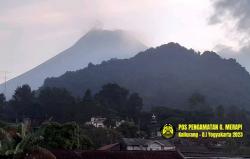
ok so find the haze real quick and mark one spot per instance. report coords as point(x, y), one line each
point(31, 32)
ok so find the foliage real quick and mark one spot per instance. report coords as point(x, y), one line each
point(166, 76)
point(22, 101)
point(134, 106)
point(9, 140)
point(56, 103)
point(128, 130)
point(66, 136)
point(2, 101)
point(101, 136)
point(113, 102)
point(118, 101)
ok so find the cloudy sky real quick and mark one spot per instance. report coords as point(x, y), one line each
point(32, 31)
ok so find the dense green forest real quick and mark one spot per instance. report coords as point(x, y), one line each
point(59, 118)
point(113, 102)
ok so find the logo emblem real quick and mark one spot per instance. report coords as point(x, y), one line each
point(168, 131)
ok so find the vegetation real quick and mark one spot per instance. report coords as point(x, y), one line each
point(111, 101)
point(166, 75)
point(55, 104)
point(52, 109)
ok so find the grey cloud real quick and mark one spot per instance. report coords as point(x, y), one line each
point(242, 56)
point(239, 10)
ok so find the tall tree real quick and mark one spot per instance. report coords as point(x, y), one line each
point(87, 107)
point(128, 129)
point(87, 96)
point(2, 101)
point(134, 106)
point(114, 97)
point(22, 101)
point(57, 103)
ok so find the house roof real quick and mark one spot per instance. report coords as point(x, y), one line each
point(134, 141)
point(161, 142)
point(144, 142)
point(108, 147)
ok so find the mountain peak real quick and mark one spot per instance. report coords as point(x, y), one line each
point(95, 46)
point(104, 36)
point(173, 45)
point(211, 54)
point(103, 32)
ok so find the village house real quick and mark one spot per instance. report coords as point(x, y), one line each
point(138, 144)
point(146, 144)
point(97, 122)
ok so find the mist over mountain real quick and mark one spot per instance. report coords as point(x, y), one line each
point(97, 45)
point(167, 76)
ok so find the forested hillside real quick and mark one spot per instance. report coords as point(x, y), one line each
point(167, 76)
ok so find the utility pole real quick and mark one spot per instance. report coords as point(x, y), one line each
point(5, 80)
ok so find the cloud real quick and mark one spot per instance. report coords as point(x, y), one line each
point(236, 10)
point(235, 16)
point(38, 30)
point(242, 56)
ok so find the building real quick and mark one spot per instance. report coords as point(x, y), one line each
point(154, 128)
point(97, 122)
point(110, 147)
point(136, 144)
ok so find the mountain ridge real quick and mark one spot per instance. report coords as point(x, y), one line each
point(166, 75)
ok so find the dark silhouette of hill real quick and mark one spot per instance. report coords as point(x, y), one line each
point(95, 46)
point(167, 76)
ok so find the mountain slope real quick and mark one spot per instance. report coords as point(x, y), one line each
point(167, 75)
point(95, 46)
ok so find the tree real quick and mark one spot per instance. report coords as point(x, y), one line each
point(9, 138)
point(57, 103)
point(113, 97)
point(2, 101)
point(87, 96)
point(88, 107)
point(23, 93)
point(101, 136)
point(57, 136)
point(66, 136)
point(53, 135)
point(128, 129)
point(134, 106)
point(22, 101)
